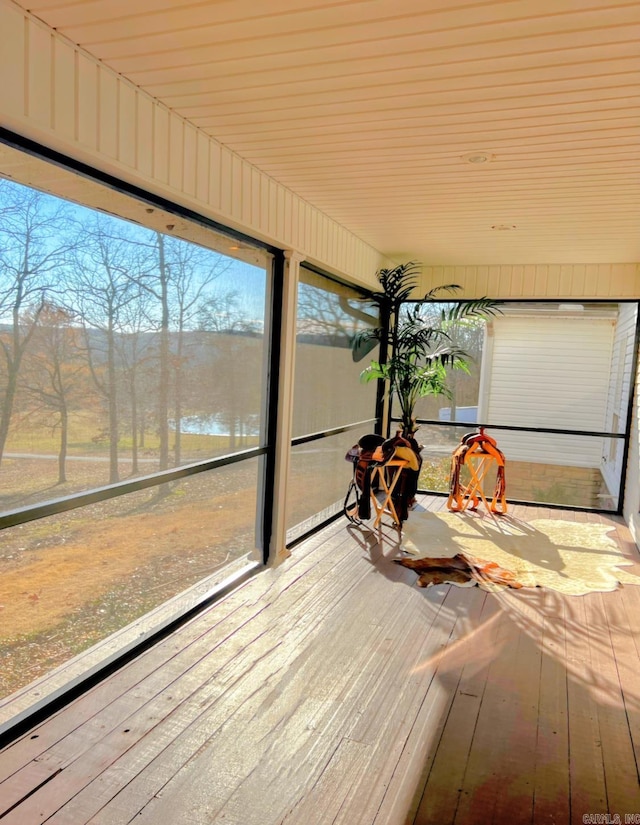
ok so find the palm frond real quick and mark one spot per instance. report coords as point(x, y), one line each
point(477, 308)
point(421, 336)
point(369, 334)
point(434, 294)
point(415, 333)
point(374, 371)
point(398, 283)
point(365, 341)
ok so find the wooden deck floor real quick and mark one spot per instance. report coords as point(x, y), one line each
point(333, 690)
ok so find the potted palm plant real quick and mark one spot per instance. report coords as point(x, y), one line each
point(416, 347)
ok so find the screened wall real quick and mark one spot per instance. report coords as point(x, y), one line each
point(552, 383)
point(133, 400)
point(332, 407)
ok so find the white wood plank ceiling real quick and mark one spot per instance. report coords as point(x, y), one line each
point(375, 111)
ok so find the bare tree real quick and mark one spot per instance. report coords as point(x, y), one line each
point(237, 362)
point(193, 271)
point(330, 317)
point(135, 353)
point(103, 287)
point(162, 294)
point(34, 250)
point(179, 283)
point(55, 374)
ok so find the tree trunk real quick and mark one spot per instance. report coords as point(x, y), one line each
point(114, 475)
point(134, 423)
point(64, 440)
point(7, 408)
point(13, 358)
point(178, 401)
point(163, 392)
point(143, 427)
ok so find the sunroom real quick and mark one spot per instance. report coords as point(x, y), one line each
point(194, 203)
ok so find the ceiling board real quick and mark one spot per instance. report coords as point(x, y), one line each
point(368, 110)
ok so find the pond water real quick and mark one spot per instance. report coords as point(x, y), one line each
point(216, 425)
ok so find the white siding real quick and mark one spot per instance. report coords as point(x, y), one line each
point(618, 394)
point(548, 372)
point(632, 481)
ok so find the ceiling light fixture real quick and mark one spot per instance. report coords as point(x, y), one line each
point(570, 307)
point(478, 158)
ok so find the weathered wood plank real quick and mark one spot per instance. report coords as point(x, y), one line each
point(627, 662)
point(24, 785)
point(406, 784)
point(427, 692)
point(306, 704)
point(620, 769)
point(249, 599)
point(518, 773)
point(473, 658)
point(586, 770)
point(499, 767)
point(233, 655)
point(210, 675)
point(551, 778)
point(415, 672)
point(333, 690)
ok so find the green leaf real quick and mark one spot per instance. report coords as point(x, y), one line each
point(422, 338)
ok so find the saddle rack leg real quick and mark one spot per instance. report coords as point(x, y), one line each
point(388, 476)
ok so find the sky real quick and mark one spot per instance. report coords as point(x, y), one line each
point(236, 276)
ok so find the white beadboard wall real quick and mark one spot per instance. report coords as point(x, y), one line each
point(618, 395)
point(564, 281)
point(64, 99)
point(632, 486)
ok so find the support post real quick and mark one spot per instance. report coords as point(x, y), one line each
point(278, 545)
